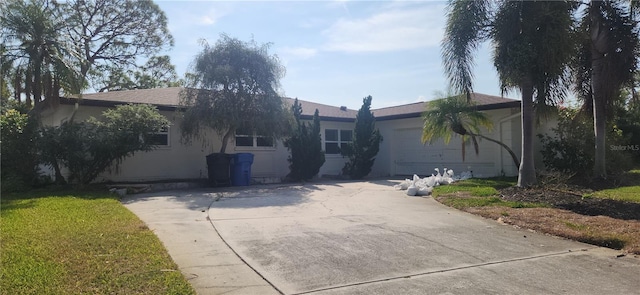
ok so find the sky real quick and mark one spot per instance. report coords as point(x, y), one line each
point(334, 52)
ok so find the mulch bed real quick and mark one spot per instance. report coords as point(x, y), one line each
point(603, 222)
point(572, 200)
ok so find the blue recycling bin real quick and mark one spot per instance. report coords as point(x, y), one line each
point(241, 169)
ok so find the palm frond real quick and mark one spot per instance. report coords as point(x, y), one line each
point(474, 140)
point(450, 116)
point(465, 30)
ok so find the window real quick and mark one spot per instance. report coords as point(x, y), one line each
point(160, 138)
point(245, 138)
point(335, 140)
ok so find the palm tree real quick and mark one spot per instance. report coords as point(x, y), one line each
point(31, 34)
point(5, 68)
point(608, 58)
point(455, 115)
point(532, 46)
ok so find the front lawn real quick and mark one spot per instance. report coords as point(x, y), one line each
point(479, 187)
point(80, 243)
point(607, 217)
point(629, 190)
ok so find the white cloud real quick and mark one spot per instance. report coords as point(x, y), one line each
point(298, 52)
point(212, 16)
point(397, 28)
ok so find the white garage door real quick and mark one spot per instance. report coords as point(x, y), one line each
point(412, 157)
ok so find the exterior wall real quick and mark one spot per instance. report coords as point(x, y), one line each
point(269, 164)
point(401, 151)
point(177, 160)
point(333, 163)
point(510, 132)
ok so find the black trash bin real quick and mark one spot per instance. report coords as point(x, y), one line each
point(218, 168)
point(241, 169)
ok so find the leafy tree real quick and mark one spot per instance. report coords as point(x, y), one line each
point(365, 145)
point(158, 72)
point(18, 155)
point(109, 34)
point(305, 145)
point(89, 148)
point(455, 115)
point(233, 85)
point(609, 53)
point(532, 43)
point(63, 46)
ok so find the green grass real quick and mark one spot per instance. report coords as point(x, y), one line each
point(629, 191)
point(481, 192)
point(460, 203)
point(80, 243)
point(626, 193)
point(479, 187)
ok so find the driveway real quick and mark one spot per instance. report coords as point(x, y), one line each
point(365, 238)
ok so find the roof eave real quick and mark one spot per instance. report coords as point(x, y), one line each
point(487, 107)
point(108, 104)
point(327, 118)
point(399, 116)
point(497, 106)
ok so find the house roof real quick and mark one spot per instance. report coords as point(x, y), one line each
point(169, 99)
point(326, 112)
point(161, 97)
point(482, 101)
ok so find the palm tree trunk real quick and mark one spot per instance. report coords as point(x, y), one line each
point(599, 127)
point(599, 37)
point(506, 147)
point(527, 171)
point(28, 89)
point(37, 81)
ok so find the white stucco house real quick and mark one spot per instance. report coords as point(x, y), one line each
point(401, 152)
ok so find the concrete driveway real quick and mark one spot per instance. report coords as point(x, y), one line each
point(365, 238)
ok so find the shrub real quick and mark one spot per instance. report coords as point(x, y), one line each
point(306, 147)
point(628, 121)
point(365, 145)
point(572, 148)
point(89, 148)
point(18, 132)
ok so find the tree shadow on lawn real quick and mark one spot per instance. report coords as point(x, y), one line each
point(24, 200)
point(590, 206)
point(606, 207)
point(7, 206)
point(624, 179)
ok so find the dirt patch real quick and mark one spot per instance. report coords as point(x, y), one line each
point(603, 222)
point(597, 230)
